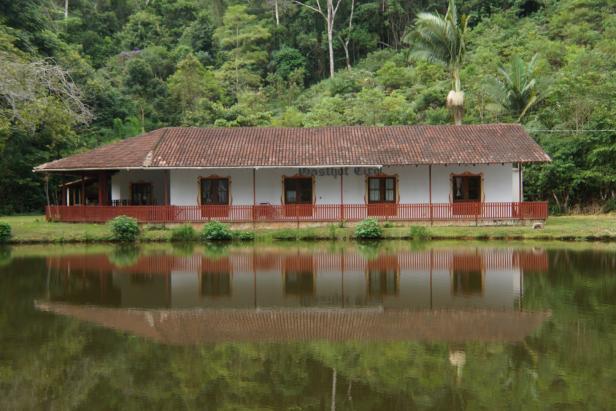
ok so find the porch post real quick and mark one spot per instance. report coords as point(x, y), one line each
point(82, 198)
point(254, 194)
point(341, 194)
point(166, 187)
point(520, 194)
point(430, 192)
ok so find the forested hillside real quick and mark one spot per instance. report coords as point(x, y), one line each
point(75, 74)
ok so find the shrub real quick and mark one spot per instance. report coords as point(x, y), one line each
point(419, 233)
point(184, 232)
point(244, 235)
point(388, 224)
point(368, 229)
point(124, 229)
point(216, 231)
point(5, 232)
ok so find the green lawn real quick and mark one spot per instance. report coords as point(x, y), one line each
point(34, 229)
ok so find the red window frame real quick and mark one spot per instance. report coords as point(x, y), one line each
point(293, 184)
point(463, 186)
point(382, 189)
point(215, 190)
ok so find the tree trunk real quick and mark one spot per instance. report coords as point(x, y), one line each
point(276, 12)
point(345, 43)
point(330, 36)
point(455, 98)
point(345, 46)
point(65, 9)
point(329, 16)
point(333, 406)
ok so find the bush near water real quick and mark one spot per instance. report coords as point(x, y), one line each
point(124, 229)
point(368, 229)
point(216, 231)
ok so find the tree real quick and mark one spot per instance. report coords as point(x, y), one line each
point(199, 36)
point(516, 90)
point(143, 29)
point(329, 15)
point(442, 39)
point(346, 40)
point(240, 38)
point(192, 82)
point(144, 87)
point(26, 87)
point(286, 60)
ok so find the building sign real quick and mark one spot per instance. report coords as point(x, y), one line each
point(339, 171)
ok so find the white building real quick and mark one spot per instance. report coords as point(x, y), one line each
point(318, 174)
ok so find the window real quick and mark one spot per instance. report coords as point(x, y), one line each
point(382, 282)
point(466, 188)
point(297, 190)
point(216, 283)
point(299, 275)
point(381, 189)
point(214, 191)
point(141, 194)
point(467, 283)
point(298, 283)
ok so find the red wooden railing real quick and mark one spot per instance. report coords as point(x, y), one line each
point(304, 213)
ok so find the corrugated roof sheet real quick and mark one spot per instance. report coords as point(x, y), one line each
point(189, 147)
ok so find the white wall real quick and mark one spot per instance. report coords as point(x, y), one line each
point(498, 184)
point(184, 185)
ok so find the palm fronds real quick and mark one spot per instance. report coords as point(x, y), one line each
point(516, 89)
point(439, 38)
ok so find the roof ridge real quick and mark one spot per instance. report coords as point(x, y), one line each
point(343, 126)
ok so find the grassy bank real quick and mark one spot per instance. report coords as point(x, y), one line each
point(34, 229)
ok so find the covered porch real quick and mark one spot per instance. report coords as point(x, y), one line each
point(440, 193)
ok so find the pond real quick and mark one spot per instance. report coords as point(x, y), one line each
point(391, 325)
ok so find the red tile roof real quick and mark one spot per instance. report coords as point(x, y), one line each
point(177, 147)
point(198, 326)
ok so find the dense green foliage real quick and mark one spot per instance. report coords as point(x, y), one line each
point(368, 229)
point(140, 65)
point(124, 229)
point(216, 231)
point(185, 232)
point(5, 232)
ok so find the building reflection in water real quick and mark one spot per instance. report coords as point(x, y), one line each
point(246, 281)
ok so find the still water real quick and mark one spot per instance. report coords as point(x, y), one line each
point(388, 326)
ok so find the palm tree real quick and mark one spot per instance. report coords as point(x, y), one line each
point(516, 90)
point(441, 39)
